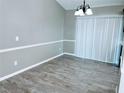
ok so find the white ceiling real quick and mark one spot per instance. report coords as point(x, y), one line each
point(72, 4)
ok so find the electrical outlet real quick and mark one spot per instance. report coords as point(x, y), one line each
point(15, 63)
point(17, 38)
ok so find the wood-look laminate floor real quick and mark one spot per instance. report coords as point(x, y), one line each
point(65, 75)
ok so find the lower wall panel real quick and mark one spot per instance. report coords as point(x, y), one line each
point(69, 47)
point(27, 57)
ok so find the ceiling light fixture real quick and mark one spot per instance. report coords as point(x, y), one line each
point(83, 9)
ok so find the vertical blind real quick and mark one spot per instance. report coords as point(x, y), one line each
point(98, 38)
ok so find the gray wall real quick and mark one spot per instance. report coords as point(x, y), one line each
point(34, 21)
point(70, 23)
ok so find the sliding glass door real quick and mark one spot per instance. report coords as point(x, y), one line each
point(98, 38)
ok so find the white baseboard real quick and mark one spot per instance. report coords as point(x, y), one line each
point(28, 68)
point(35, 65)
point(72, 54)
